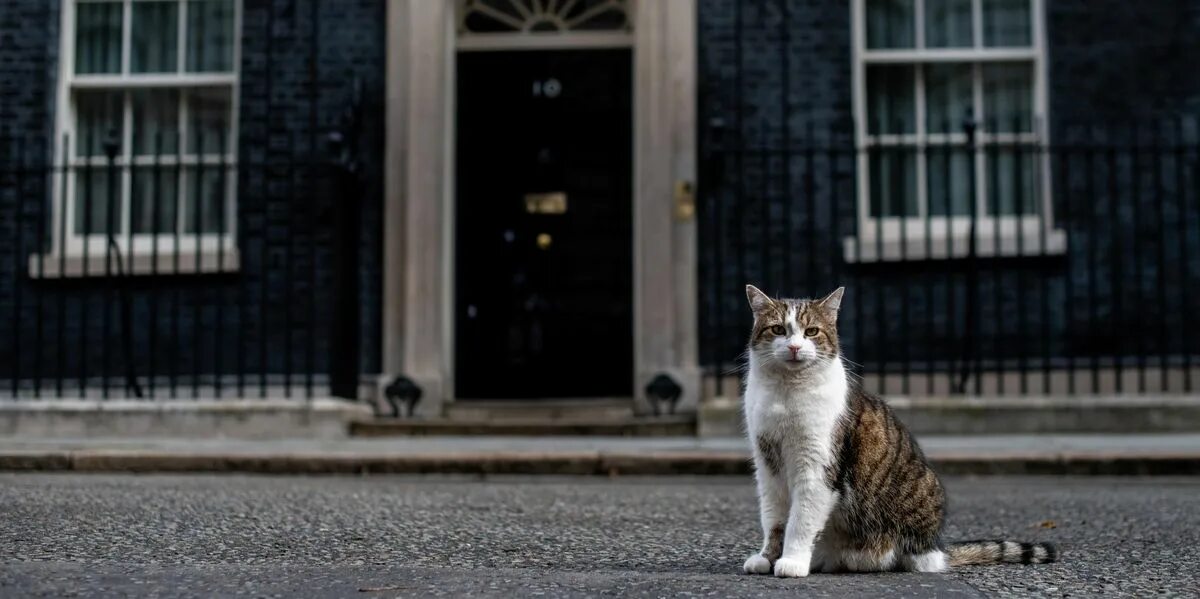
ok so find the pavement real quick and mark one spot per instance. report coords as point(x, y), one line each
point(93, 535)
point(1097, 454)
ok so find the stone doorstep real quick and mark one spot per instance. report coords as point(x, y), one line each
point(659, 426)
point(1008, 415)
point(539, 409)
point(557, 463)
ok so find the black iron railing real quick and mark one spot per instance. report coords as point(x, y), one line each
point(975, 262)
point(209, 245)
point(177, 276)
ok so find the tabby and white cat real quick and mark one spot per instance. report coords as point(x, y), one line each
point(842, 485)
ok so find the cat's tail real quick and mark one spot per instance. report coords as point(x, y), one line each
point(975, 553)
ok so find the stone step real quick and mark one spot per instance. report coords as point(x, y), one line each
point(546, 410)
point(657, 426)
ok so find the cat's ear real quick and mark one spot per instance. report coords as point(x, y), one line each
point(833, 301)
point(759, 301)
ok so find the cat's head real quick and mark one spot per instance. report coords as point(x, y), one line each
point(794, 334)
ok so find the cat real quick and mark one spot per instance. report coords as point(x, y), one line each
point(842, 485)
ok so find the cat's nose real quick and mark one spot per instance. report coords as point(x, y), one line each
point(794, 349)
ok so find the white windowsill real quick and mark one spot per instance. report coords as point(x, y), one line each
point(57, 266)
point(940, 246)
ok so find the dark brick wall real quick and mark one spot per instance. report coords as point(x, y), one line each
point(29, 38)
point(1128, 61)
point(275, 313)
point(771, 74)
point(774, 74)
point(28, 49)
point(279, 119)
point(777, 74)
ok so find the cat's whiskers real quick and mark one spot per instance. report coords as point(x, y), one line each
point(844, 359)
point(850, 372)
point(741, 364)
point(854, 376)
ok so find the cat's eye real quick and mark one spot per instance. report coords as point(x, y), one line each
point(811, 331)
point(778, 330)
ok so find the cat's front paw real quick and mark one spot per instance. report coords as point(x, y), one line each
point(757, 564)
point(790, 567)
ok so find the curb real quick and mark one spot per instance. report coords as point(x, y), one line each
point(557, 463)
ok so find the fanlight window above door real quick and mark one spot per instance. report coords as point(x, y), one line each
point(543, 16)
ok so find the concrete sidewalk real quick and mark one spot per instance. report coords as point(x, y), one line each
point(1165, 454)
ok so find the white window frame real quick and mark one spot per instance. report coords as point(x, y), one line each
point(202, 249)
point(921, 237)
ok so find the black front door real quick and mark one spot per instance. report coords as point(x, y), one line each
point(544, 227)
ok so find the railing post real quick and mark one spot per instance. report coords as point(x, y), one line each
point(970, 352)
point(711, 178)
point(346, 190)
point(112, 251)
point(18, 161)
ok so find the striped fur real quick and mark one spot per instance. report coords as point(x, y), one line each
point(840, 478)
point(978, 553)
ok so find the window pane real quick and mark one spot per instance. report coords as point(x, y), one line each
point(501, 16)
point(93, 187)
point(890, 24)
point(948, 24)
point(891, 106)
point(1006, 23)
point(209, 113)
point(948, 97)
point(612, 19)
point(949, 176)
point(154, 37)
point(210, 36)
point(210, 185)
point(1011, 180)
point(99, 117)
point(1008, 97)
point(98, 37)
point(155, 122)
point(154, 197)
point(893, 182)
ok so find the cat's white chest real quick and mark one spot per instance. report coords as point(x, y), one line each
point(802, 417)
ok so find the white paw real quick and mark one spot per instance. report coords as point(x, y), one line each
point(757, 564)
point(790, 567)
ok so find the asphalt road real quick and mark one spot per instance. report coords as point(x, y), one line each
point(203, 536)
